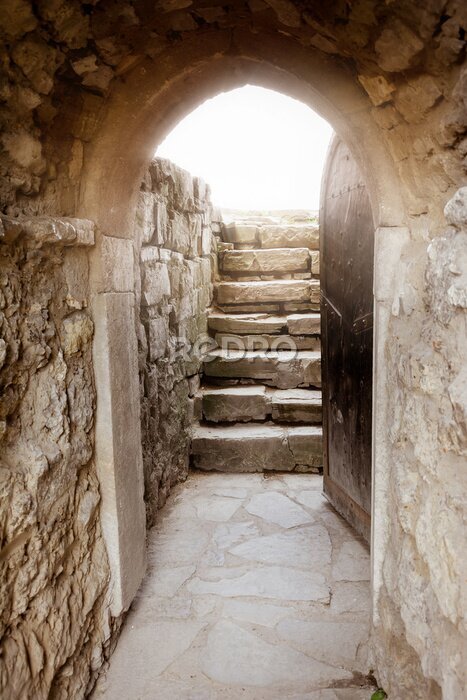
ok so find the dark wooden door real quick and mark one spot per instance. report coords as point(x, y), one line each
point(346, 244)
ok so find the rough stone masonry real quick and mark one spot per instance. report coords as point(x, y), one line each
point(87, 91)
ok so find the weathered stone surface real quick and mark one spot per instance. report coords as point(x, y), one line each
point(172, 226)
point(253, 447)
point(266, 292)
point(50, 495)
point(235, 404)
point(246, 448)
point(275, 582)
point(315, 262)
point(275, 508)
point(246, 323)
point(304, 324)
point(48, 114)
point(45, 230)
point(282, 369)
point(287, 548)
point(291, 236)
point(240, 233)
point(302, 307)
point(296, 406)
point(288, 343)
point(249, 308)
point(272, 665)
point(280, 260)
point(306, 444)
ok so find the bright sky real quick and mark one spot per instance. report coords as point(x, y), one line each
point(257, 148)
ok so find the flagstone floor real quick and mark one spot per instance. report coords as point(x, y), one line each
point(255, 589)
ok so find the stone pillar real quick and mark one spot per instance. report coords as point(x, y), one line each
point(118, 426)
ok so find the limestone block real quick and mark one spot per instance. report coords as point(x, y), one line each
point(231, 341)
point(46, 230)
point(117, 264)
point(77, 331)
point(161, 221)
point(279, 260)
point(289, 236)
point(76, 272)
point(315, 262)
point(266, 292)
point(180, 233)
point(239, 233)
point(282, 369)
point(156, 284)
point(248, 308)
point(118, 444)
point(206, 241)
point(397, 46)
point(297, 406)
point(306, 444)
point(158, 337)
point(246, 323)
point(256, 447)
point(245, 448)
point(455, 210)
point(301, 306)
point(304, 324)
point(235, 404)
point(145, 217)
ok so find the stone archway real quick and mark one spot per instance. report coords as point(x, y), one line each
point(110, 201)
point(402, 115)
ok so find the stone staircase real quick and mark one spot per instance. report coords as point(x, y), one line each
point(259, 405)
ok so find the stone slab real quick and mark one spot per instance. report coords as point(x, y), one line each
point(304, 324)
point(278, 260)
point(267, 292)
point(293, 307)
point(231, 341)
point(279, 509)
point(239, 233)
point(291, 548)
point(254, 447)
point(322, 639)
point(289, 236)
point(306, 444)
point(276, 582)
point(244, 448)
point(259, 663)
point(246, 323)
point(297, 406)
point(281, 369)
point(235, 404)
point(249, 308)
point(118, 444)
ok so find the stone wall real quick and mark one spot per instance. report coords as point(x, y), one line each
point(174, 238)
point(54, 573)
point(89, 89)
point(419, 618)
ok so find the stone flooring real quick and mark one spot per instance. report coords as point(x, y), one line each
point(255, 589)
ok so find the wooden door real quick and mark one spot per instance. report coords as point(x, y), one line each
point(346, 245)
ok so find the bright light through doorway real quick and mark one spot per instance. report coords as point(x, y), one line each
point(257, 148)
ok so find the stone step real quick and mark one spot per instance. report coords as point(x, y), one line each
point(254, 403)
point(267, 235)
point(262, 323)
point(289, 236)
point(301, 291)
point(275, 260)
point(284, 342)
point(285, 370)
point(256, 448)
